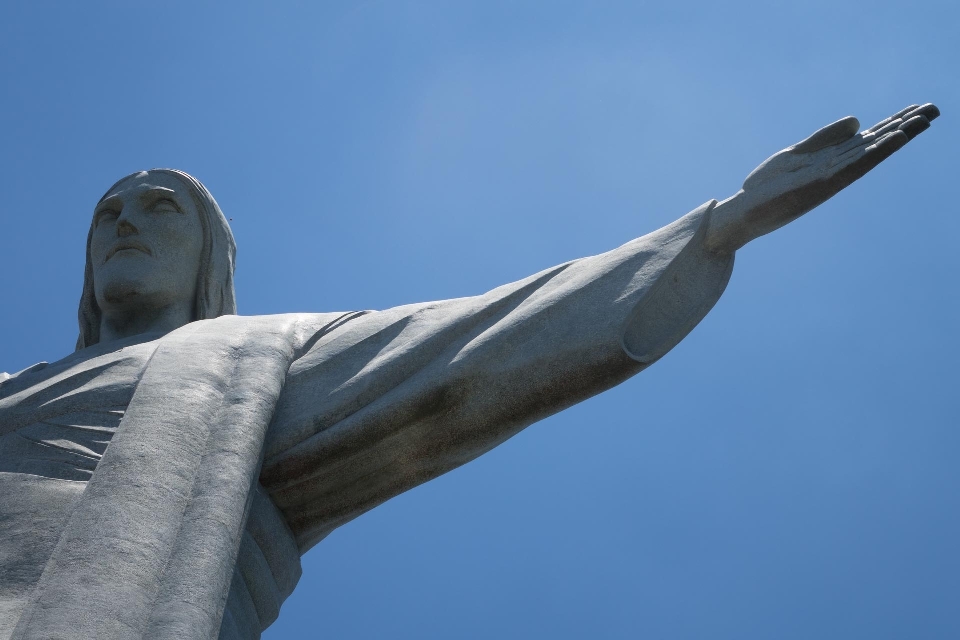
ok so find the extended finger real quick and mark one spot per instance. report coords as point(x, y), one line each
point(889, 143)
point(912, 123)
point(871, 156)
point(859, 141)
point(929, 111)
point(895, 116)
point(834, 133)
point(914, 126)
point(884, 130)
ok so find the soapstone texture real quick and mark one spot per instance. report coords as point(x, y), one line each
point(164, 480)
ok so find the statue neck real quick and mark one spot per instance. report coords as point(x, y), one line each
point(119, 324)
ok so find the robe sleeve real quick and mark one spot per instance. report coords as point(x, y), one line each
point(394, 398)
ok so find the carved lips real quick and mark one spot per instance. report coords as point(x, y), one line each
point(127, 245)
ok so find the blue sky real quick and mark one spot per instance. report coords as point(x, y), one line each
point(790, 470)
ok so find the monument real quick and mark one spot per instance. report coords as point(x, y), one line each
point(164, 479)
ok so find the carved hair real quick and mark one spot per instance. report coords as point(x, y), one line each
point(215, 293)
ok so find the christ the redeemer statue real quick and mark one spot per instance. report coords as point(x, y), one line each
point(163, 481)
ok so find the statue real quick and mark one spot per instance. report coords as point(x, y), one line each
point(164, 480)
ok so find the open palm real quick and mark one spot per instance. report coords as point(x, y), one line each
point(797, 179)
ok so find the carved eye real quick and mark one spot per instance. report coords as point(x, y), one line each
point(165, 205)
point(105, 215)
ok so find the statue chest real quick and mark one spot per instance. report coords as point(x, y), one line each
point(56, 422)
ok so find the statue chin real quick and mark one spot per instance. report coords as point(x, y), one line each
point(121, 292)
point(127, 283)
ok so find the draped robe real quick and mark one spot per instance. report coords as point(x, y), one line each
point(166, 486)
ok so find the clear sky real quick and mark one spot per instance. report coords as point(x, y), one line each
point(791, 470)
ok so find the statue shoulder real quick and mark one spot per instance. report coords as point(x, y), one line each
point(302, 329)
point(36, 367)
point(274, 323)
point(9, 377)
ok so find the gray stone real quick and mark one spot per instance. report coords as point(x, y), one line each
point(164, 480)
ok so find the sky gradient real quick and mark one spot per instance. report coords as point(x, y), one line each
point(790, 470)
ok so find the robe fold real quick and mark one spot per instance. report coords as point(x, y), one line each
point(176, 480)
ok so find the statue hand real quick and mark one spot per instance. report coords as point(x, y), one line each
point(799, 178)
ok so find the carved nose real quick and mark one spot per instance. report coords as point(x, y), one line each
point(125, 228)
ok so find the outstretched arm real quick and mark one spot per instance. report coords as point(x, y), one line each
point(394, 398)
point(794, 181)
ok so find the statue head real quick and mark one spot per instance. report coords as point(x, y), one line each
point(157, 238)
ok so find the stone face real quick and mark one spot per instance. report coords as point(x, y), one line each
point(164, 480)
